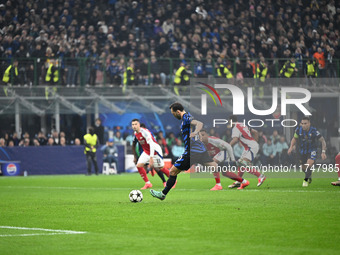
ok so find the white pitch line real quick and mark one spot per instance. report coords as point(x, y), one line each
point(54, 231)
point(246, 190)
point(40, 234)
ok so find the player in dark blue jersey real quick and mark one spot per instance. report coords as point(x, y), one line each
point(195, 151)
point(307, 138)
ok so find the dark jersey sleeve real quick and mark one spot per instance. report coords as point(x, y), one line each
point(317, 134)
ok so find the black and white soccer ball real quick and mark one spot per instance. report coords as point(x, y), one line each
point(136, 196)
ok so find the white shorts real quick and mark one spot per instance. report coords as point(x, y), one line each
point(250, 153)
point(157, 160)
point(222, 156)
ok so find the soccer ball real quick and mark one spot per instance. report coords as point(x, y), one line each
point(136, 196)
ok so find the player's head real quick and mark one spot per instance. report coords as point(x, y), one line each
point(135, 124)
point(91, 130)
point(142, 125)
point(305, 123)
point(232, 120)
point(177, 110)
point(204, 136)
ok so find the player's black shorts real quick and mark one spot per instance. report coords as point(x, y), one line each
point(304, 157)
point(185, 161)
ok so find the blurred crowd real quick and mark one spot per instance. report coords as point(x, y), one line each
point(129, 42)
point(273, 146)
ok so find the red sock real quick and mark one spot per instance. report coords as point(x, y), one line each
point(217, 177)
point(165, 171)
point(240, 172)
point(142, 173)
point(233, 176)
point(254, 172)
point(337, 164)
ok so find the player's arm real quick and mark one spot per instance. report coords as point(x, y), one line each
point(324, 147)
point(148, 137)
point(234, 141)
point(198, 126)
point(255, 134)
point(134, 150)
point(292, 144)
point(222, 145)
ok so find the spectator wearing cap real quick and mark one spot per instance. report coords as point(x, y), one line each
point(110, 152)
point(157, 30)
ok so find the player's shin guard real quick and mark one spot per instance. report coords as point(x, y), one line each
point(169, 184)
point(165, 171)
point(143, 174)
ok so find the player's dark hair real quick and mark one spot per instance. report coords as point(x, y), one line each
point(203, 130)
point(233, 118)
point(142, 125)
point(135, 120)
point(176, 106)
point(306, 118)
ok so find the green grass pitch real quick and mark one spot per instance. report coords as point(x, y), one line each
point(280, 217)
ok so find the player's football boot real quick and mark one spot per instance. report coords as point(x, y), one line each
point(234, 185)
point(217, 187)
point(147, 186)
point(157, 194)
point(244, 184)
point(261, 180)
point(304, 183)
point(337, 183)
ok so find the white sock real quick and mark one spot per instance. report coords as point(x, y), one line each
point(244, 181)
point(219, 184)
point(148, 182)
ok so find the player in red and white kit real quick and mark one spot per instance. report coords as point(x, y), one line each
point(222, 153)
point(337, 167)
point(242, 133)
point(150, 147)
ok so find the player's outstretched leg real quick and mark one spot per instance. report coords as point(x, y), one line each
point(169, 184)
